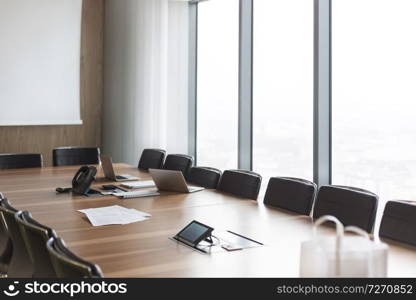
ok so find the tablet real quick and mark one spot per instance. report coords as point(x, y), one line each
point(193, 233)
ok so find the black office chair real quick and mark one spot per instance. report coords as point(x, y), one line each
point(67, 264)
point(6, 248)
point(399, 222)
point(35, 236)
point(293, 194)
point(152, 159)
point(20, 264)
point(242, 183)
point(204, 176)
point(20, 160)
point(178, 162)
point(352, 206)
point(70, 156)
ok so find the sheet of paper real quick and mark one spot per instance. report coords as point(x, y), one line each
point(110, 215)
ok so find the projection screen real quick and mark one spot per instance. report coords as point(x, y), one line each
point(40, 42)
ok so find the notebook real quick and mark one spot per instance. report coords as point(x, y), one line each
point(137, 194)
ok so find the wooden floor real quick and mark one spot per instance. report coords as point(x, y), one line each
point(143, 249)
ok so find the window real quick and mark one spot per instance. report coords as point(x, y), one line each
point(283, 88)
point(374, 96)
point(217, 83)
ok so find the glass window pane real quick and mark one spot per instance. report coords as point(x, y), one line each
point(283, 88)
point(374, 96)
point(217, 112)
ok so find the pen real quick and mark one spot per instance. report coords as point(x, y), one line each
point(244, 237)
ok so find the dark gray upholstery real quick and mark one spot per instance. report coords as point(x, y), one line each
point(70, 156)
point(20, 264)
point(352, 206)
point(399, 222)
point(152, 159)
point(67, 264)
point(6, 248)
point(292, 194)
point(242, 183)
point(35, 236)
point(204, 176)
point(20, 160)
point(178, 162)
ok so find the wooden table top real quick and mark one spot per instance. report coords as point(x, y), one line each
point(143, 249)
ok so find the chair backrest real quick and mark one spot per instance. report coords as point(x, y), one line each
point(204, 176)
point(399, 222)
point(352, 206)
point(20, 264)
point(35, 236)
point(293, 194)
point(67, 264)
point(152, 159)
point(6, 247)
point(70, 156)
point(178, 162)
point(242, 183)
point(20, 160)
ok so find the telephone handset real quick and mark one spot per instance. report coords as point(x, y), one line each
point(83, 179)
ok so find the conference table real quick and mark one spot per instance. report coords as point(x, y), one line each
point(144, 249)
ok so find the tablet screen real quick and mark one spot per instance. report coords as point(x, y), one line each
point(194, 232)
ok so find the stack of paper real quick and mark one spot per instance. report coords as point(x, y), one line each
point(115, 214)
point(137, 194)
point(139, 184)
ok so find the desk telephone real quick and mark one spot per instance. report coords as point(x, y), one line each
point(83, 179)
point(81, 182)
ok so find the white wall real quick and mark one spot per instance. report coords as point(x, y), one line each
point(146, 64)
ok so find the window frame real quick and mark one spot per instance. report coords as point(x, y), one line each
point(322, 85)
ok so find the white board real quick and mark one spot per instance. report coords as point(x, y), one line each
point(40, 44)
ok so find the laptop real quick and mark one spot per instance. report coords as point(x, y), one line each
point(172, 181)
point(107, 164)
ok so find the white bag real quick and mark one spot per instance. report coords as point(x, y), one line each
point(342, 256)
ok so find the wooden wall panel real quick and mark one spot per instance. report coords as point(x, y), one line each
point(42, 139)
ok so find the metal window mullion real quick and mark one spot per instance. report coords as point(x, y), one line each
point(245, 86)
point(322, 92)
point(192, 79)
